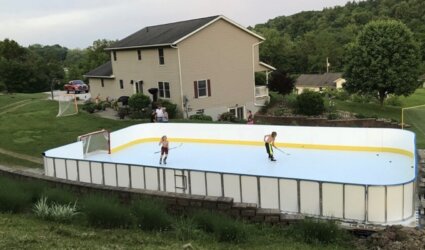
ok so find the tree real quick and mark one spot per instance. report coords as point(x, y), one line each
point(281, 82)
point(383, 60)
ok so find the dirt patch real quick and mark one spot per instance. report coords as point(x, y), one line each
point(395, 238)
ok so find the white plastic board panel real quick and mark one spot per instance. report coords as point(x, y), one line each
point(197, 183)
point(123, 172)
point(395, 203)
point(71, 166)
point(60, 168)
point(110, 174)
point(288, 196)
point(84, 171)
point(249, 189)
point(137, 177)
point(408, 200)
point(269, 192)
point(214, 184)
point(376, 204)
point(332, 200)
point(355, 202)
point(151, 177)
point(97, 173)
point(170, 185)
point(309, 197)
point(232, 187)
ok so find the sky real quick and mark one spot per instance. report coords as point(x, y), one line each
point(77, 23)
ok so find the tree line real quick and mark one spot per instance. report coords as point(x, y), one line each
point(38, 67)
point(300, 43)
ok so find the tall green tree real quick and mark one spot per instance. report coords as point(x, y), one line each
point(383, 60)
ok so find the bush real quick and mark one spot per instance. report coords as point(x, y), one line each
point(139, 101)
point(393, 101)
point(341, 95)
point(122, 112)
point(55, 212)
point(151, 215)
point(13, 197)
point(310, 103)
point(106, 212)
point(200, 117)
point(185, 229)
point(228, 117)
point(225, 228)
point(290, 101)
point(89, 107)
point(333, 116)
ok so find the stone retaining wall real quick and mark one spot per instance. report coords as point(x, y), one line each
point(176, 203)
point(308, 121)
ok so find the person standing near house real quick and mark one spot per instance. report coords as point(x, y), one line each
point(165, 117)
point(250, 118)
point(159, 114)
point(269, 143)
point(164, 149)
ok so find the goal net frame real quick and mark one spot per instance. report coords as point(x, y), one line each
point(87, 140)
point(402, 113)
point(70, 100)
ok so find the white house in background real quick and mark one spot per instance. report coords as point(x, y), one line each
point(204, 65)
point(319, 82)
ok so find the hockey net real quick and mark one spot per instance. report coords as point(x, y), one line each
point(96, 142)
point(67, 105)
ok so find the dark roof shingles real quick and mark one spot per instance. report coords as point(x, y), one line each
point(161, 34)
point(318, 80)
point(103, 70)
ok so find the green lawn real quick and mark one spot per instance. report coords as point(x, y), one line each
point(414, 117)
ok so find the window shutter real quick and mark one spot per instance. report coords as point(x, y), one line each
point(209, 87)
point(195, 86)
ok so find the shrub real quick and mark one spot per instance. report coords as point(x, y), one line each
point(310, 103)
point(333, 116)
point(55, 212)
point(89, 107)
point(393, 101)
point(200, 117)
point(290, 101)
point(138, 101)
point(13, 197)
point(122, 112)
point(106, 212)
point(151, 215)
point(342, 95)
point(225, 228)
point(227, 116)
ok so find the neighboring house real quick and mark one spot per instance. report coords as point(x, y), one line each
point(205, 65)
point(319, 82)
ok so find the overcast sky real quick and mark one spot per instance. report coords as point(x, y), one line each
point(77, 23)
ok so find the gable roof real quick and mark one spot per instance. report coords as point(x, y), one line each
point(103, 71)
point(318, 80)
point(170, 33)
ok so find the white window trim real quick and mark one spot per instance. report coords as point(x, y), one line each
point(169, 89)
point(206, 88)
point(236, 111)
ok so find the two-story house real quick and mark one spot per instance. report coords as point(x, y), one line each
point(203, 65)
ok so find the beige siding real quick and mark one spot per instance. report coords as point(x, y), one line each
point(127, 67)
point(96, 88)
point(222, 53)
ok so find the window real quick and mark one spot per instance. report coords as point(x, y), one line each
point(202, 88)
point(139, 54)
point(121, 84)
point(164, 89)
point(115, 55)
point(238, 112)
point(161, 56)
point(102, 83)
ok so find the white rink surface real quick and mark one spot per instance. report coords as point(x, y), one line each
point(351, 167)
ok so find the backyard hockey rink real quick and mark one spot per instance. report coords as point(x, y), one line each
point(353, 174)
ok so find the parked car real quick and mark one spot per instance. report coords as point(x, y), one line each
point(76, 86)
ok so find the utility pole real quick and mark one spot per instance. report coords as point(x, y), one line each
point(327, 65)
point(52, 84)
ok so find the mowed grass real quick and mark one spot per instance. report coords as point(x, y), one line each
point(28, 124)
point(415, 118)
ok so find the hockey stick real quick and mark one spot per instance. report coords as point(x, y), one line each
point(181, 144)
point(278, 149)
